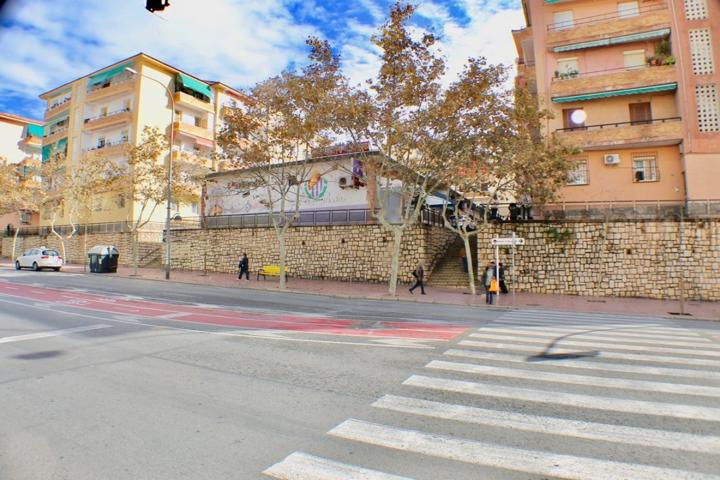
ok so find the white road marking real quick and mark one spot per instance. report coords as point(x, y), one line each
point(587, 365)
point(51, 333)
point(572, 379)
point(552, 425)
point(634, 337)
point(530, 461)
point(301, 466)
point(604, 354)
point(539, 338)
point(650, 327)
point(642, 407)
point(573, 316)
point(601, 345)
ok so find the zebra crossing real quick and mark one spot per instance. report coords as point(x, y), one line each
point(540, 395)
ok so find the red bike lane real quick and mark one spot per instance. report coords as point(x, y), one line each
point(120, 305)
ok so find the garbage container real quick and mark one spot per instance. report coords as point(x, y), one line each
point(103, 259)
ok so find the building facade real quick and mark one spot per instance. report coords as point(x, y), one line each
point(105, 112)
point(634, 85)
point(20, 144)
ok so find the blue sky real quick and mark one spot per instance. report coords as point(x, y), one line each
point(46, 43)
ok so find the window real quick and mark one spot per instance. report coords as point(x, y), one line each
point(634, 58)
point(696, 9)
point(124, 136)
point(567, 67)
point(708, 111)
point(640, 113)
point(563, 20)
point(579, 175)
point(126, 104)
point(701, 52)
point(628, 9)
point(103, 111)
point(574, 120)
point(644, 169)
point(194, 208)
point(101, 142)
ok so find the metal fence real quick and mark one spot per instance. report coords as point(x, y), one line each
point(629, 210)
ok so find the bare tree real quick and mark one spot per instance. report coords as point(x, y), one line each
point(20, 193)
point(272, 136)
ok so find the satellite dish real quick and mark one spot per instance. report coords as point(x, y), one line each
point(578, 117)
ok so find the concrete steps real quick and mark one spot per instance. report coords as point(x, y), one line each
point(449, 271)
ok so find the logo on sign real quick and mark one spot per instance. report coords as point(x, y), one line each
point(316, 187)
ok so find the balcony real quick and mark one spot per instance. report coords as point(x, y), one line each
point(614, 24)
point(109, 89)
point(55, 135)
point(193, 130)
point(109, 119)
point(615, 79)
point(182, 98)
point(109, 148)
point(655, 132)
point(56, 108)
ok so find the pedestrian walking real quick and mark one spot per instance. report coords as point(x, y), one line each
point(503, 286)
point(492, 290)
point(419, 275)
point(244, 267)
point(489, 274)
point(526, 207)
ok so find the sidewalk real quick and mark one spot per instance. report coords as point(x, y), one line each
point(572, 303)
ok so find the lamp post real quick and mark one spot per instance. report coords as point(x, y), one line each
point(169, 171)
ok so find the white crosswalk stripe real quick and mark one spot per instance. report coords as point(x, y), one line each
point(612, 335)
point(708, 351)
point(589, 365)
point(573, 379)
point(609, 379)
point(300, 465)
point(479, 453)
point(606, 353)
point(551, 425)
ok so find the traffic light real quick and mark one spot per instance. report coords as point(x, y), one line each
point(156, 5)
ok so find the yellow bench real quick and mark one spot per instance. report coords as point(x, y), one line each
point(271, 271)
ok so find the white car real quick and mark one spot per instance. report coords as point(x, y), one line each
point(39, 258)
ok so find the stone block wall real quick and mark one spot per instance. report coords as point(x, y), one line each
point(150, 248)
point(623, 258)
point(347, 252)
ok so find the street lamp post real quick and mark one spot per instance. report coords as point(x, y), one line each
point(169, 171)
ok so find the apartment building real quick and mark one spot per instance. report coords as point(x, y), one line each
point(20, 144)
point(103, 113)
point(635, 85)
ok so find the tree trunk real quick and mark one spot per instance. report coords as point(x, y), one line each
point(395, 262)
point(84, 252)
point(15, 237)
point(468, 259)
point(283, 254)
point(62, 241)
point(135, 251)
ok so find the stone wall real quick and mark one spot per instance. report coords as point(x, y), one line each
point(348, 252)
point(626, 259)
point(150, 251)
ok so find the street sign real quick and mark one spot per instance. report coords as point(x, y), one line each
point(509, 241)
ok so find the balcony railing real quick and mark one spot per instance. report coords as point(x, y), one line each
point(594, 73)
point(55, 134)
point(601, 126)
point(116, 85)
point(593, 19)
point(108, 146)
point(56, 107)
point(108, 118)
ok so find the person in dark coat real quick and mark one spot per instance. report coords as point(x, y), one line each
point(503, 286)
point(419, 275)
point(244, 267)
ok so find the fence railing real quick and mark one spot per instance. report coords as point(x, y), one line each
point(500, 212)
point(601, 126)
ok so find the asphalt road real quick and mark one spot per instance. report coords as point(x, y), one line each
point(114, 378)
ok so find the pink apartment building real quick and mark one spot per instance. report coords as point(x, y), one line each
point(635, 85)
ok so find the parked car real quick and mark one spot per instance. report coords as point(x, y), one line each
point(39, 258)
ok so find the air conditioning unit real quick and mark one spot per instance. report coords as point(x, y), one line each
point(612, 159)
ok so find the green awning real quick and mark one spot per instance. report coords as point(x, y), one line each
point(194, 85)
point(666, 87)
point(108, 74)
point(35, 131)
point(58, 119)
point(58, 147)
point(604, 42)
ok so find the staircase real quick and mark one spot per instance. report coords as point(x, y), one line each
point(449, 271)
